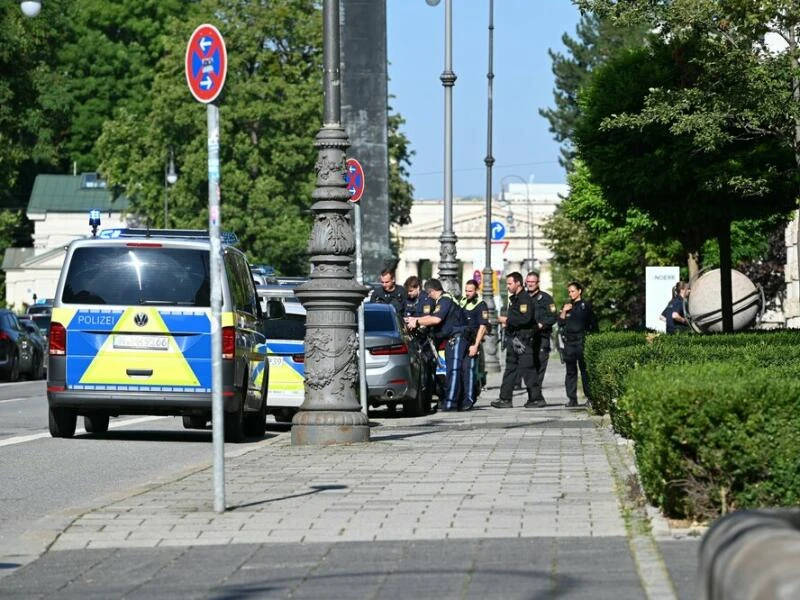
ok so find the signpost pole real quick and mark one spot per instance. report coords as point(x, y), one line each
point(206, 65)
point(217, 416)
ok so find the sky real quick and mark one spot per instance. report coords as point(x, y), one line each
point(522, 146)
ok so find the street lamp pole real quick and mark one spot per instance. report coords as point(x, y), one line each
point(448, 262)
point(331, 412)
point(170, 177)
point(528, 259)
point(490, 343)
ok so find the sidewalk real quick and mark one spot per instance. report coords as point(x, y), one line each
point(514, 503)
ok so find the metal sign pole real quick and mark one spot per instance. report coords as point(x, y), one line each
point(217, 416)
point(362, 357)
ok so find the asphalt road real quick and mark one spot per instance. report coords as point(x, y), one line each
point(45, 482)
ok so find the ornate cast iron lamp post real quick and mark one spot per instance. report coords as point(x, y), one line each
point(331, 412)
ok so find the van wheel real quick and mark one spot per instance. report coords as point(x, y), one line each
point(96, 423)
point(255, 424)
point(62, 422)
point(234, 421)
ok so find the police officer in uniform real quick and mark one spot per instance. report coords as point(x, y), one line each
point(418, 303)
point(389, 292)
point(477, 314)
point(575, 321)
point(445, 323)
point(520, 359)
point(545, 316)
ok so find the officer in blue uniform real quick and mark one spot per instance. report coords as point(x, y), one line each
point(575, 321)
point(477, 315)
point(418, 303)
point(446, 324)
point(389, 292)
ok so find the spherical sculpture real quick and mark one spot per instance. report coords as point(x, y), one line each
point(704, 306)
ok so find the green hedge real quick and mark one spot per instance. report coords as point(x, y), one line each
point(716, 436)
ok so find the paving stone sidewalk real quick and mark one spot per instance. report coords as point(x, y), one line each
point(513, 503)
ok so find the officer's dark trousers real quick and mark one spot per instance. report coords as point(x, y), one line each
point(542, 350)
point(454, 353)
point(573, 360)
point(469, 378)
point(519, 365)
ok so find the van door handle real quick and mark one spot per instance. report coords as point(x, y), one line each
point(139, 372)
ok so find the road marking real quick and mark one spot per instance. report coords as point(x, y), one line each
point(20, 439)
point(16, 399)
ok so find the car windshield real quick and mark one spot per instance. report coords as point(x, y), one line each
point(380, 320)
point(290, 327)
point(138, 275)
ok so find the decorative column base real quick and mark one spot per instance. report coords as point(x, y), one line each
point(326, 428)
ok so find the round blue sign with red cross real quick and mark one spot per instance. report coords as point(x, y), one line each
point(355, 179)
point(206, 63)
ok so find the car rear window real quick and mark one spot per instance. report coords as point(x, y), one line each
point(42, 321)
point(379, 320)
point(290, 327)
point(138, 275)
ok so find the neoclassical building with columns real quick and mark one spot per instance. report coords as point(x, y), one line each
point(520, 210)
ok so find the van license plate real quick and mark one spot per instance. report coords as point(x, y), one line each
point(141, 342)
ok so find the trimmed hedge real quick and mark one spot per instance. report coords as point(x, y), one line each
point(716, 436)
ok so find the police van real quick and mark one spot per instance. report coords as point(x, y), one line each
point(130, 334)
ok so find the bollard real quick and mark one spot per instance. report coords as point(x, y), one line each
point(751, 554)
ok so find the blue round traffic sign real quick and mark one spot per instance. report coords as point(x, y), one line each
point(354, 177)
point(206, 63)
point(498, 231)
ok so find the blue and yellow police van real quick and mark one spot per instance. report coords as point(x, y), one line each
point(130, 334)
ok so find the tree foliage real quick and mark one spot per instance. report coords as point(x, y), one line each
point(607, 250)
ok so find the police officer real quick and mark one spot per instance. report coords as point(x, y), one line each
point(389, 292)
point(575, 321)
point(545, 316)
point(418, 303)
point(675, 313)
point(519, 344)
point(477, 315)
point(445, 323)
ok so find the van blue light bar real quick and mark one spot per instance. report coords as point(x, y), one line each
point(228, 238)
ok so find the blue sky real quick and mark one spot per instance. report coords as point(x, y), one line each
point(524, 30)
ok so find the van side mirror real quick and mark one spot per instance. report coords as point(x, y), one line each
point(275, 309)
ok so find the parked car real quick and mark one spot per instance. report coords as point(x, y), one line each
point(131, 333)
point(20, 353)
point(396, 371)
point(40, 309)
point(36, 335)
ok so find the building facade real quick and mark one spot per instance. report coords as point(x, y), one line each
point(519, 245)
point(59, 208)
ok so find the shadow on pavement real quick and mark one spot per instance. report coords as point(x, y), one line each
point(315, 489)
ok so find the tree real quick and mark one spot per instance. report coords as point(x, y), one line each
point(606, 250)
point(597, 40)
point(690, 184)
point(401, 192)
point(270, 110)
point(737, 93)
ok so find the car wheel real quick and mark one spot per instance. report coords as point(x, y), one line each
point(38, 368)
point(416, 406)
point(194, 422)
point(62, 422)
point(96, 423)
point(12, 374)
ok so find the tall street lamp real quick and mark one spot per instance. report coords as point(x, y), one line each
point(448, 263)
point(490, 343)
point(331, 412)
point(528, 259)
point(170, 177)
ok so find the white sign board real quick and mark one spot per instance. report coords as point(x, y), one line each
point(659, 283)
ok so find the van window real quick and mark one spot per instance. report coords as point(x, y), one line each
point(135, 275)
